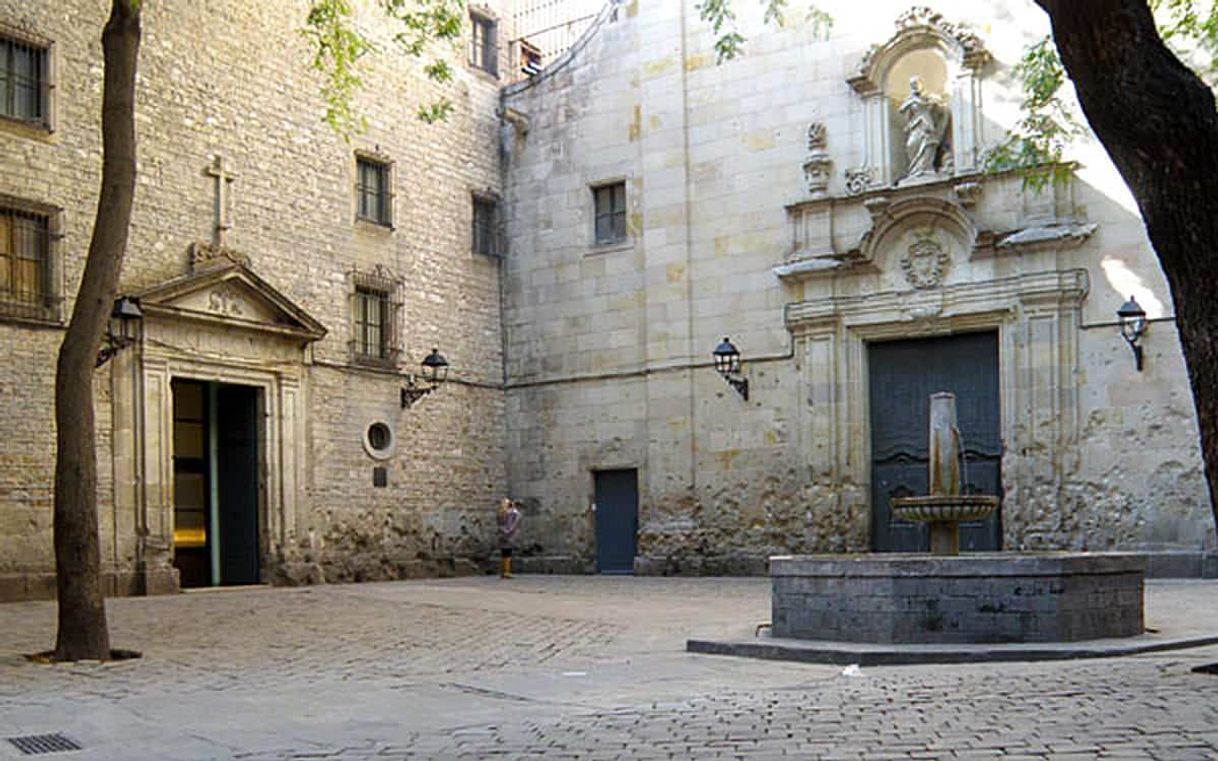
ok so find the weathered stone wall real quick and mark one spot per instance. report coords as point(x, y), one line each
point(608, 346)
point(233, 79)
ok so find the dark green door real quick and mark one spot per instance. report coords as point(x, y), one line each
point(237, 477)
point(617, 520)
point(903, 375)
point(217, 488)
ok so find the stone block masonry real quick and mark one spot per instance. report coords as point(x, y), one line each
point(981, 598)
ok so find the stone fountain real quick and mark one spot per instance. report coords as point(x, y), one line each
point(945, 507)
point(948, 598)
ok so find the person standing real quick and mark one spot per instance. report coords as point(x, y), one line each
point(509, 524)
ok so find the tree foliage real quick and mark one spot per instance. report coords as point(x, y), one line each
point(340, 47)
point(729, 42)
point(1037, 142)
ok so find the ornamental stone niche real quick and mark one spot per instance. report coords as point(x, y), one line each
point(921, 95)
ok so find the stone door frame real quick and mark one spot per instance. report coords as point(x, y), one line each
point(148, 466)
point(223, 324)
point(1037, 318)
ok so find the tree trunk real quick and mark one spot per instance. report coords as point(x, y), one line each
point(82, 612)
point(1157, 120)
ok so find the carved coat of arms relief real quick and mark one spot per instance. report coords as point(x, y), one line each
point(925, 262)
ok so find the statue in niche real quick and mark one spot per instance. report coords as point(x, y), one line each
point(926, 120)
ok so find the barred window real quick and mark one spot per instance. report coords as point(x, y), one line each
point(371, 323)
point(24, 84)
point(610, 202)
point(486, 223)
point(372, 190)
point(374, 310)
point(483, 49)
point(25, 281)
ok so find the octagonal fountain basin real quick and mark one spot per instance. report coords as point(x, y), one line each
point(969, 598)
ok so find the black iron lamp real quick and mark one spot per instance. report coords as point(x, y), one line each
point(435, 372)
point(122, 330)
point(727, 362)
point(1133, 325)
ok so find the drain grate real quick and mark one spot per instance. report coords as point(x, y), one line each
point(34, 745)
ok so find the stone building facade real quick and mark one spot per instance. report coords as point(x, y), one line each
point(576, 244)
point(780, 199)
point(282, 341)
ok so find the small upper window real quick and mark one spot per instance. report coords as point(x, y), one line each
point(530, 59)
point(610, 202)
point(483, 50)
point(25, 271)
point(372, 190)
point(485, 227)
point(24, 84)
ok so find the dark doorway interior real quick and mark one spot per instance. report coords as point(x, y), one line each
point(617, 520)
point(216, 483)
point(903, 375)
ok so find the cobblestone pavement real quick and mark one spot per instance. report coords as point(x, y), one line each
point(583, 668)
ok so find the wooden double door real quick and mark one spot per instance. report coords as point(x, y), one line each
point(903, 374)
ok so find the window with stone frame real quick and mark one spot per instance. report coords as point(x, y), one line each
point(25, 81)
point(609, 202)
point(375, 303)
point(27, 267)
point(485, 232)
point(483, 47)
point(374, 190)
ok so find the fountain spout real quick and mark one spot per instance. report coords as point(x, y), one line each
point(944, 446)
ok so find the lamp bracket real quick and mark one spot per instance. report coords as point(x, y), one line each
point(740, 384)
point(412, 393)
point(113, 345)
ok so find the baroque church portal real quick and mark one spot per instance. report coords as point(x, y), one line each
point(596, 214)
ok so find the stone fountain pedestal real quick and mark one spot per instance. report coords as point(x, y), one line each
point(947, 598)
point(975, 598)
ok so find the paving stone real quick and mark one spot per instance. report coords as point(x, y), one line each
point(473, 669)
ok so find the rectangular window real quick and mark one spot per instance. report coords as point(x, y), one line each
point(610, 203)
point(530, 59)
point(372, 324)
point(485, 233)
point(372, 191)
point(483, 50)
point(24, 82)
point(25, 282)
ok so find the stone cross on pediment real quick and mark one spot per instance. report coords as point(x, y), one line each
point(223, 177)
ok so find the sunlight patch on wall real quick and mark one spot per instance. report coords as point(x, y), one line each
point(1127, 284)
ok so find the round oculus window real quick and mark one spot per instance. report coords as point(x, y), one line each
point(378, 441)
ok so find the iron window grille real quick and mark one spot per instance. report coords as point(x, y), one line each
point(374, 317)
point(374, 197)
point(27, 275)
point(486, 227)
point(610, 203)
point(25, 88)
point(483, 48)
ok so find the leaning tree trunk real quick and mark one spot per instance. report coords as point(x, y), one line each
point(82, 612)
point(1157, 120)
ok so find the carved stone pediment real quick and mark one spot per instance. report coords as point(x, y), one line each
point(229, 294)
point(918, 26)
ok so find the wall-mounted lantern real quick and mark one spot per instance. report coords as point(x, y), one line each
point(435, 372)
point(122, 330)
point(1133, 325)
point(727, 362)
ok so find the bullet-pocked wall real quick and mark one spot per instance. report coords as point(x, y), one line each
point(233, 80)
point(769, 199)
